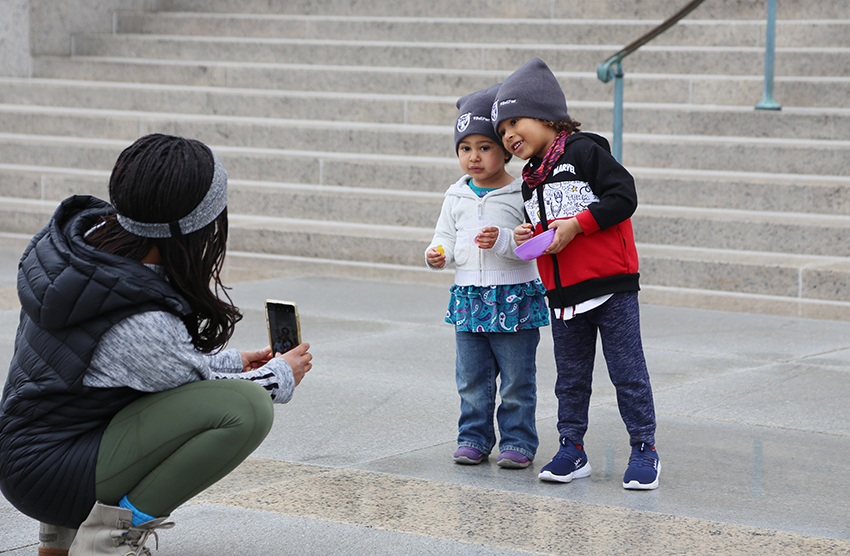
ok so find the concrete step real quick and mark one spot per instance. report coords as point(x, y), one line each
point(420, 209)
point(71, 114)
point(690, 32)
point(748, 191)
point(770, 232)
point(310, 163)
point(339, 162)
point(787, 277)
point(227, 101)
point(261, 198)
point(424, 174)
point(813, 234)
point(784, 156)
point(345, 241)
point(801, 61)
point(543, 9)
point(832, 92)
point(746, 272)
point(304, 135)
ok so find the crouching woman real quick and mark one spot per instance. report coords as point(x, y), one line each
point(116, 408)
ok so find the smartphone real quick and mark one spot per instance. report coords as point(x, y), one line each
point(283, 325)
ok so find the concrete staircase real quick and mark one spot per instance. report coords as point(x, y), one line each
point(333, 119)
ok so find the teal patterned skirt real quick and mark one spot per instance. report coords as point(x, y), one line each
point(503, 308)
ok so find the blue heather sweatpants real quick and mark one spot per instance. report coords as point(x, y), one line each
point(618, 323)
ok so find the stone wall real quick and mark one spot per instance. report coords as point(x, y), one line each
point(14, 38)
point(45, 27)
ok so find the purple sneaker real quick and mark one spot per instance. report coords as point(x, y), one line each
point(468, 455)
point(510, 459)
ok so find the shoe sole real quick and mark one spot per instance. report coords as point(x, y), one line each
point(634, 485)
point(511, 464)
point(580, 473)
point(463, 460)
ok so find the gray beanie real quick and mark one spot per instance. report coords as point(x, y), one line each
point(532, 91)
point(474, 115)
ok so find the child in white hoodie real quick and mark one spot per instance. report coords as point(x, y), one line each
point(498, 302)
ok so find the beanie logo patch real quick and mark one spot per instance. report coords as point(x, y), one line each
point(494, 113)
point(463, 122)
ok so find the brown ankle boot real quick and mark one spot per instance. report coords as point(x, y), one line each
point(54, 540)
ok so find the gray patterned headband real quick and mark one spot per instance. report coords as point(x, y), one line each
point(207, 210)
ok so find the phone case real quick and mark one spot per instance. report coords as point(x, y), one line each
point(284, 327)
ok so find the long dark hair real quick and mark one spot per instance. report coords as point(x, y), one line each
point(160, 179)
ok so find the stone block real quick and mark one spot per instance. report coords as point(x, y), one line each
point(15, 38)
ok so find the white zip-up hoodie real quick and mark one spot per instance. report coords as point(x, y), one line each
point(462, 216)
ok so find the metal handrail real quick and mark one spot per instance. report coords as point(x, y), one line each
point(612, 68)
point(605, 71)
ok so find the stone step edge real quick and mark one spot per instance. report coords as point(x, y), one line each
point(245, 266)
point(638, 172)
point(371, 97)
point(438, 130)
point(452, 45)
point(745, 302)
point(496, 75)
point(90, 84)
point(803, 262)
point(242, 266)
point(434, 128)
point(740, 215)
point(474, 20)
point(245, 221)
point(251, 266)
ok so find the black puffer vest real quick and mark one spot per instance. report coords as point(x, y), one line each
point(50, 423)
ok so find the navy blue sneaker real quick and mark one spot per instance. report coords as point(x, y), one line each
point(569, 463)
point(643, 470)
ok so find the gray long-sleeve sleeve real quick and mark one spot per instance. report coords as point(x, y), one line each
point(153, 352)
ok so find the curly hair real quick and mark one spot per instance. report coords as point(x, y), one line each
point(161, 178)
point(568, 124)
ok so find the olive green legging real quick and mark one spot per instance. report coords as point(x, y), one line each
point(164, 448)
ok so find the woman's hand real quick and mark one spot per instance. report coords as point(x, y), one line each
point(435, 258)
point(487, 237)
point(299, 360)
point(523, 233)
point(255, 359)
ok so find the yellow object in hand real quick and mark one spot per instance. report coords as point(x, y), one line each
point(440, 250)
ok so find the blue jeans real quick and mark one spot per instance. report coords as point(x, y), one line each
point(481, 357)
point(618, 322)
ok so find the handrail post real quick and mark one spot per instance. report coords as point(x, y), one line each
point(606, 72)
point(617, 149)
point(767, 102)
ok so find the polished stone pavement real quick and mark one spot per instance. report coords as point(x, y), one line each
point(753, 434)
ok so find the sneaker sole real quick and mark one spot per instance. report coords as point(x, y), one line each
point(463, 460)
point(511, 464)
point(580, 473)
point(634, 485)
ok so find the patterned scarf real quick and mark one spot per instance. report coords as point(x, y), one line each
point(535, 176)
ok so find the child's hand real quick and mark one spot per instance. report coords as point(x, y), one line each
point(523, 233)
point(487, 237)
point(435, 258)
point(565, 231)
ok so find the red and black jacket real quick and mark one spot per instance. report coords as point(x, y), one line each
point(586, 183)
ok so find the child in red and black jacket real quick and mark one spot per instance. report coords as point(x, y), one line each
point(574, 185)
